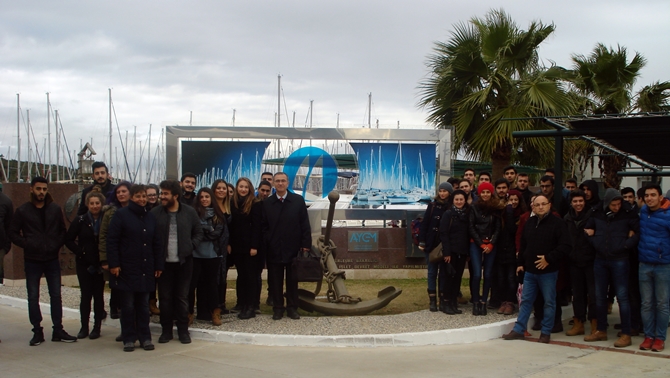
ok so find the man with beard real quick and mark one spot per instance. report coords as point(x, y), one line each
point(187, 197)
point(38, 228)
point(180, 231)
point(101, 179)
point(522, 183)
point(590, 189)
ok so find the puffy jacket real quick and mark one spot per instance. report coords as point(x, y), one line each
point(611, 239)
point(582, 253)
point(189, 231)
point(454, 236)
point(82, 240)
point(134, 245)
point(654, 247)
point(429, 233)
point(547, 236)
point(214, 235)
point(41, 239)
point(484, 225)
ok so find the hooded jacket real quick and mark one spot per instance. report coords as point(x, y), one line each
point(654, 247)
point(594, 202)
point(582, 253)
point(41, 237)
point(611, 238)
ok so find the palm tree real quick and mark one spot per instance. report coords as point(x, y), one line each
point(605, 79)
point(488, 71)
point(654, 98)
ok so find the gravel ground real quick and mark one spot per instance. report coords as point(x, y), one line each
point(419, 321)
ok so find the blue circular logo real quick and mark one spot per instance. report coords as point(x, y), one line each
point(315, 157)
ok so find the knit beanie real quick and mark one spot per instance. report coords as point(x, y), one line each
point(446, 186)
point(485, 185)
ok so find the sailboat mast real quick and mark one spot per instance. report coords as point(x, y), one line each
point(57, 146)
point(18, 138)
point(278, 100)
point(29, 149)
point(110, 126)
point(149, 157)
point(48, 160)
point(370, 110)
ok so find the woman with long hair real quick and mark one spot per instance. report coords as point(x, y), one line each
point(506, 263)
point(222, 201)
point(454, 227)
point(484, 232)
point(117, 199)
point(82, 240)
point(429, 238)
point(135, 261)
point(245, 219)
point(206, 260)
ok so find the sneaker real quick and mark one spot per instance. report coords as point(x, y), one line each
point(61, 335)
point(128, 347)
point(38, 338)
point(647, 343)
point(658, 345)
point(148, 345)
point(119, 338)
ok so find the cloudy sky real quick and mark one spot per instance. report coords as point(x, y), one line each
point(164, 59)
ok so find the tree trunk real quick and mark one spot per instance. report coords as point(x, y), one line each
point(609, 166)
point(500, 158)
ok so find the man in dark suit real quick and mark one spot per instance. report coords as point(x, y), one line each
point(285, 230)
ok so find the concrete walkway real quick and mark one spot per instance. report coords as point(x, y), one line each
point(104, 358)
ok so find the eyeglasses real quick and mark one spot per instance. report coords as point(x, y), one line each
point(540, 204)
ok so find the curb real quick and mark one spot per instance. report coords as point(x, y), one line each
point(441, 337)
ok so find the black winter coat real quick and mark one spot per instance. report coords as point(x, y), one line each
point(284, 229)
point(611, 239)
point(82, 241)
point(189, 231)
point(41, 239)
point(244, 227)
point(6, 212)
point(454, 235)
point(582, 253)
point(105, 190)
point(506, 249)
point(429, 233)
point(547, 236)
point(134, 245)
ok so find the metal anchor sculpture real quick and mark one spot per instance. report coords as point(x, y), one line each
point(339, 300)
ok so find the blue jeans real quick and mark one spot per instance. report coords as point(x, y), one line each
point(655, 292)
point(51, 270)
point(135, 316)
point(532, 284)
point(437, 276)
point(615, 272)
point(477, 257)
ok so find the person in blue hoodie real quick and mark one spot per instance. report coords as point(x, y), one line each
point(654, 274)
point(613, 231)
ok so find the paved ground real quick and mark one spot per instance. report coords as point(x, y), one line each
point(104, 358)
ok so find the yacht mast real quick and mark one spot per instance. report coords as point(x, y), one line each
point(110, 127)
point(18, 138)
point(48, 160)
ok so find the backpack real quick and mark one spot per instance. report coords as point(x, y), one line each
point(416, 228)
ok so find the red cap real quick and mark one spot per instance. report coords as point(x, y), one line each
point(485, 185)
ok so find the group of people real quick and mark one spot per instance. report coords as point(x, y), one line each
point(166, 238)
point(559, 243)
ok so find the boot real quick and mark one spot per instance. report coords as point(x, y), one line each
point(475, 309)
point(577, 328)
point(443, 304)
point(38, 336)
point(95, 333)
point(447, 308)
point(433, 303)
point(153, 308)
point(216, 317)
point(83, 332)
point(598, 336)
point(482, 309)
point(454, 307)
point(594, 326)
point(623, 341)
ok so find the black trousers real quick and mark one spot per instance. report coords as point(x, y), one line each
point(204, 280)
point(277, 273)
point(247, 278)
point(452, 284)
point(92, 288)
point(173, 288)
point(505, 281)
point(634, 293)
point(222, 280)
point(583, 292)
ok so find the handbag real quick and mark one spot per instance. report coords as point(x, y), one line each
point(436, 255)
point(306, 267)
